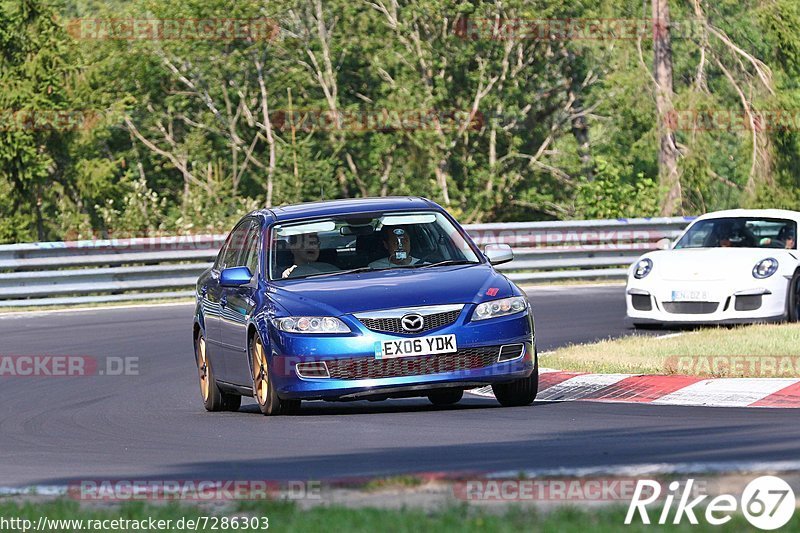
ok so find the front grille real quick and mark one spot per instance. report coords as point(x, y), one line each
point(368, 368)
point(748, 303)
point(393, 325)
point(691, 308)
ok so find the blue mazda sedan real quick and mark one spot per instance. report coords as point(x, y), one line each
point(372, 298)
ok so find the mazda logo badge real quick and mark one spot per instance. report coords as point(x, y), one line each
point(412, 322)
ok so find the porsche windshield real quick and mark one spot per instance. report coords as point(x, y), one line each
point(351, 243)
point(738, 232)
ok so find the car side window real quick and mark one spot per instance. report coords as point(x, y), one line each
point(232, 251)
point(249, 257)
point(221, 254)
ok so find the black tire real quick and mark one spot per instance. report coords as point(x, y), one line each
point(264, 391)
point(290, 406)
point(520, 392)
point(446, 396)
point(214, 400)
point(793, 299)
point(231, 402)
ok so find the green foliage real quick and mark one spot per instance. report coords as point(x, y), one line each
point(609, 195)
point(179, 139)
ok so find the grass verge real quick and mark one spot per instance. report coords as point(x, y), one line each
point(287, 517)
point(744, 351)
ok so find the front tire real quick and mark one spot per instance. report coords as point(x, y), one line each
point(214, 399)
point(445, 397)
point(793, 299)
point(264, 391)
point(520, 392)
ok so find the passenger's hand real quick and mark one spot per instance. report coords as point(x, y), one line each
point(288, 271)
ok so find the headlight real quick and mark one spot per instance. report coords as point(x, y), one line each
point(496, 308)
point(765, 268)
point(643, 268)
point(311, 324)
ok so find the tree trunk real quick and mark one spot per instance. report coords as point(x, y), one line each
point(662, 73)
point(441, 180)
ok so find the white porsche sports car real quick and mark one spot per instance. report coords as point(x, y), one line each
point(735, 266)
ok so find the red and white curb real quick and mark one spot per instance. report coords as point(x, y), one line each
point(558, 386)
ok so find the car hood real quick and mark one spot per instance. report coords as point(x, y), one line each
point(354, 293)
point(711, 264)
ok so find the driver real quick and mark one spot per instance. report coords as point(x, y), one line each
point(305, 250)
point(791, 241)
point(785, 239)
point(397, 242)
point(787, 236)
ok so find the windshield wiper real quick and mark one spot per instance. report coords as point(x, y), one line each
point(448, 262)
point(337, 272)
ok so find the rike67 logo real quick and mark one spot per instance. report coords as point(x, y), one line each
point(767, 502)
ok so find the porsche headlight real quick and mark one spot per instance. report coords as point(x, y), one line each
point(497, 308)
point(643, 268)
point(311, 324)
point(765, 268)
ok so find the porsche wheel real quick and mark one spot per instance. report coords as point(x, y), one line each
point(213, 398)
point(793, 298)
point(263, 389)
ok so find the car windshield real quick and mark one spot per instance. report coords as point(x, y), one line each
point(740, 232)
point(343, 244)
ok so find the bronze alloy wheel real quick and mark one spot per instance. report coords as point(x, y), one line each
point(263, 389)
point(260, 373)
point(213, 398)
point(202, 368)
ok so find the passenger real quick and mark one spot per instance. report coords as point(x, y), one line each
point(397, 242)
point(725, 240)
point(305, 250)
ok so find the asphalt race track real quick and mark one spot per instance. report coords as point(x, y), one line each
point(153, 426)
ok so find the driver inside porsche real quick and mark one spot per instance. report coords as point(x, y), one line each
point(786, 239)
point(791, 241)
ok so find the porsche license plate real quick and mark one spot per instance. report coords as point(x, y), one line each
point(435, 344)
point(690, 296)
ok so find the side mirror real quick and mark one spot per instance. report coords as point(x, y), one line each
point(235, 277)
point(664, 244)
point(498, 253)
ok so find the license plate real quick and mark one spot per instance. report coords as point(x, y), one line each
point(435, 344)
point(690, 296)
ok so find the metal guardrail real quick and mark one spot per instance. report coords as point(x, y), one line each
point(75, 272)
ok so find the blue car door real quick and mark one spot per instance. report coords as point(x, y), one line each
point(238, 305)
point(214, 301)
